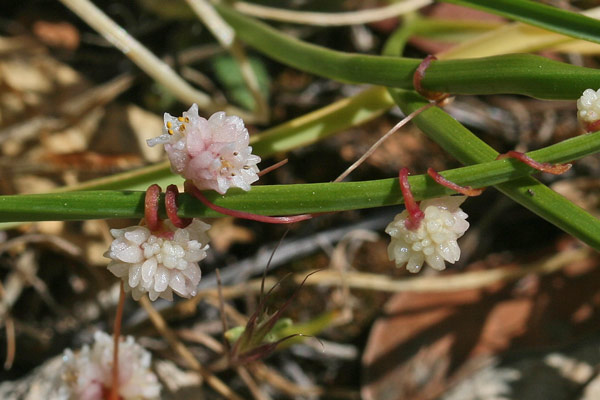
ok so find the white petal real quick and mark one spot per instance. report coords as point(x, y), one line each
point(415, 262)
point(149, 269)
point(131, 254)
point(436, 262)
point(161, 279)
point(135, 273)
point(177, 283)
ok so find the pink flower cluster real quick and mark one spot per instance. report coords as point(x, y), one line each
point(213, 154)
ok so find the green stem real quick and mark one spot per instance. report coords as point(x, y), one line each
point(517, 73)
point(540, 15)
point(309, 198)
point(527, 191)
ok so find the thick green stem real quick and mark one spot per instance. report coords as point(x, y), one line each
point(516, 73)
point(469, 149)
point(322, 197)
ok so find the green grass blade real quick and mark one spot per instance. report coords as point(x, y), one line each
point(527, 191)
point(540, 15)
point(517, 74)
point(308, 198)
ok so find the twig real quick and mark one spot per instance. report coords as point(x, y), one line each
point(114, 390)
point(162, 327)
point(11, 344)
point(382, 139)
point(383, 283)
point(330, 19)
point(144, 58)
point(226, 37)
point(254, 389)
point(446, 283)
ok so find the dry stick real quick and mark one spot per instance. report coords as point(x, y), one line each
point(381, 140)
point(441, 283)
point(114, 390)
point(273, 167)
point(162, 327)
point(254, 389)
point(331, 19)
point(225, 35)
point(10, 335)
point(144, 58)
point(11, 342)
point(222, 310)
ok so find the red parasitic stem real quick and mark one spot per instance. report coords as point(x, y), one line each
point(418, 77)
point(555, 169)
point(151, 207)
point(114, 390)
point(415, 215)
point(190, 188)
point(171, 207)
point(592, 126)
point(465, 190)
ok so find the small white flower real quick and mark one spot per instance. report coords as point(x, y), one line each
point(434, 241)
point(213, 153)
point(159, 265)
point(87, 375)
point(588, 106)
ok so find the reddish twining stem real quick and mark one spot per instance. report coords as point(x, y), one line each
point(555, 169)
point(415, 215)
point(171, 207)
point(465, 190)
point(114, 389)
point(151, 207)
point(190, 188)
point(418, 77)
point(273, 167)
point(592, 126)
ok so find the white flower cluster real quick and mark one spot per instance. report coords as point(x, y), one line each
point(159, 263)
point(434, 242)
point(87, 375)
point(213, 153)
point(588, 106)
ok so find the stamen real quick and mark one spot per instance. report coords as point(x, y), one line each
point(151, 207)
point(465, 190)
point(180, 119)
point(415, 215)
point(171, 206)
point(181, 128)
point(194, 191)
point(187, 119)
point(555, 169)
point(169, 124)
point(170, 131)
point(418, 77)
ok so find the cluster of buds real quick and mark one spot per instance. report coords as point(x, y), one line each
point(159, 263)
point(162, 258)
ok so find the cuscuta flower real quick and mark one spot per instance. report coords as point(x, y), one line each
point(87, 374)
point(434, 241)
point(588, 109)
point(213, 154)
point(159, 263)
